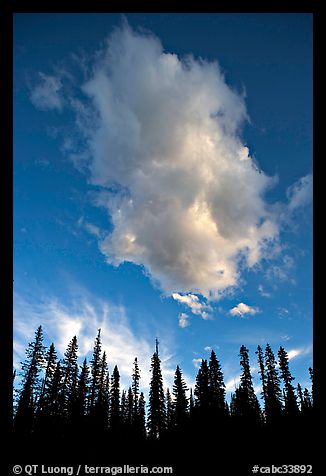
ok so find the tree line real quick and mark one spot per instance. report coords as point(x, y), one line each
point(59, 399)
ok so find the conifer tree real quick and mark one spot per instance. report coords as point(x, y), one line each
point(311, 374)
point(156, 421)
point(50, 366)
point(300, 397)
point(115, 421)
point(141, 415)
point(69, 377)
point(123, 408)
point(291, 407)
point(31, 383)
point(191, 404)
point(169, 410)
point(246, 401)
point(202, 388)
point(83, 390)
point(130, 408)
point(273, 393)
point(135, 387)
point(216, 386)
point(95, 370)
point(180, 399)
point(54, 393)
point(262, 372)
point(307, 400)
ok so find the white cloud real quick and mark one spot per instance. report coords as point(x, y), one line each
point(183, 320)
point(46, 95)
point(188, 201)
point(197, 362)
point(232, 383)
point(207, 348)
point(192, 301)
point(242, 309)
point(299, 352)
point(300, 193)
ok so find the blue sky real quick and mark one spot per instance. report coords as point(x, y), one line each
point(162, 186)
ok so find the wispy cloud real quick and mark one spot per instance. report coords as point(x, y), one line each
point(263, 292)
point(300, 193)
point(83, 317)
point(242, 309)
point(46, 94)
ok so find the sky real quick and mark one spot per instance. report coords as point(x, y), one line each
point(163, 187)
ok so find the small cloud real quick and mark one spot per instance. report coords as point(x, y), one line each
point(300, 193)
point(183, 320)
point(301, 351)
point(263, 292)
point(197, 362)
point(282, 271)
point(283, 313)
point(46, 94)
point(285, 337)
point(242, 309)
point(192, 301)
point(207, 348)
point(89, 227)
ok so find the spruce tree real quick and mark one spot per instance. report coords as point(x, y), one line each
point(31, 383)
point(115, 416)
point(169, 410)
point(141, 416)
point(83, 390)
point(50, 366)
point(311, 374)
point(180, 400)
point(202, 388)
point(262, 372)
point(69, 377)
point(247, 403)
point(273, 393)
point(135, 387)
point(291, 407)
point(95, 370)
point(216, 386)
point(130, 409)
point(156, 421)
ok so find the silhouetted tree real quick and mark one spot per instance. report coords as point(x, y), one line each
point(273, 393)
point(31, 383)
point(69, 372)
point(202, 389)
point(95, 370)
point(135, 386)
point(83, 390)
point(216, 386)
point(290, 407)
point(141, 416)
point(169, 410)
point(311, 374)
point(115, 420)
point(261, 371)
point(156, 421)
point(245, 403)
point(180, 403)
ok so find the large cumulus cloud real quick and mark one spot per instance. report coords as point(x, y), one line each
point(185, 198)
point(161, 138)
